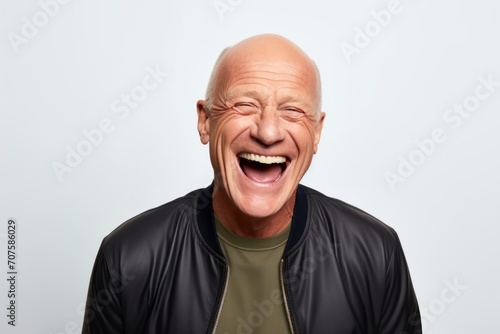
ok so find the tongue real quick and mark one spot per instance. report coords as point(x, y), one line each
point(262, 173)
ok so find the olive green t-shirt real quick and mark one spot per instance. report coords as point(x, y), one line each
point(253, 302)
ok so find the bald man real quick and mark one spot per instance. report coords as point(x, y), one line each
point(255, 252)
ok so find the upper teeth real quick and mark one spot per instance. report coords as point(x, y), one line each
point(262, 159)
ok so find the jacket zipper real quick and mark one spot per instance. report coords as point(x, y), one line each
point(221, 302)
point(284, 298)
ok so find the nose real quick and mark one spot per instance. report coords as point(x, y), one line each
point(268, 129)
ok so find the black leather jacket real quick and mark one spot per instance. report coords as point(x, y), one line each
point(163, 271)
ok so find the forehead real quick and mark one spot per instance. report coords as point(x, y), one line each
point(278, 74)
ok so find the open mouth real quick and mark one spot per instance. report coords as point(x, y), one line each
point(262, 169)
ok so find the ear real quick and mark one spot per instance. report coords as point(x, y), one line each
point(317, 131)
point(203, 122)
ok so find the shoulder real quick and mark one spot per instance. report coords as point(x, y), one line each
point(346, 222)
point(153, 228)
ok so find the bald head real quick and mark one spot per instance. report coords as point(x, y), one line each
point(261, 49)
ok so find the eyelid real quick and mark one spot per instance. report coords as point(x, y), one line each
point(294, 109)
point(245, 103)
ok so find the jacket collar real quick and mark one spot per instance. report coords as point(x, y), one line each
point(206, 224)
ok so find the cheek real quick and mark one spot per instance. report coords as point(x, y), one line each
point(225, 132)
point(219, 129)
point(303, 135)
point(232, 127)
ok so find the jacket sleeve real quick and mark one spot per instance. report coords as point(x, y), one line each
point(400, 313)
point(103, 310)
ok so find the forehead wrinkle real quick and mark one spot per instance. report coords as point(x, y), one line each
point(271, 78)
point(267, 72)
point(277, 84)
point(245, 87)
point(283, 81)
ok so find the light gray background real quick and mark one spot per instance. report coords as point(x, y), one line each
point(392, 93)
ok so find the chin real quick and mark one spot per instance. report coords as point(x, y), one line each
point(260, 206)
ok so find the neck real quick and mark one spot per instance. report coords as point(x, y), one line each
point(246, 225)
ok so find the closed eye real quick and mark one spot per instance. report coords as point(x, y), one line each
point(246, 107)
point(292, 111)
